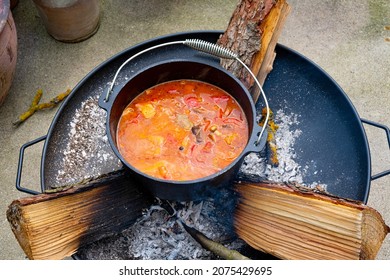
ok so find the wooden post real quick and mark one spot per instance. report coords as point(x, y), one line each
point(252, 33)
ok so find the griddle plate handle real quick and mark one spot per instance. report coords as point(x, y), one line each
point(387, 130)
point(20, 165)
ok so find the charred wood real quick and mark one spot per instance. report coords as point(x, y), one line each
point(54, 225)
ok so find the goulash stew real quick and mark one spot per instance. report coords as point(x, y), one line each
point(182, 130)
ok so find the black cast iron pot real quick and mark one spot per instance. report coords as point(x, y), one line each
point(170, 70)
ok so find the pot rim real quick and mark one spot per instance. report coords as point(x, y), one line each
point(108, 105)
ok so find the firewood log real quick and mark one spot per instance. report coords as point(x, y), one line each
point(252, 33)
point(55, 225)
point(298, 223)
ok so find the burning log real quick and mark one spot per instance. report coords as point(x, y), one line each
point(297, 223)
point(252, 33)
point(55, 225)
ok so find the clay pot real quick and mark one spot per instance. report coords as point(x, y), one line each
point(8, 49)
point(69, 20)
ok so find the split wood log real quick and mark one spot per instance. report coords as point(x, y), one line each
point(253, 33)
point(297, 223)
point(55, 225)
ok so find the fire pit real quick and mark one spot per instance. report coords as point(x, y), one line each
point(320, 140)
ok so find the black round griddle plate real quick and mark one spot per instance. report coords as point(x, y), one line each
point(332, 147)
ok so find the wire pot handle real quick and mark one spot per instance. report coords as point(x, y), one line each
point(206, 47)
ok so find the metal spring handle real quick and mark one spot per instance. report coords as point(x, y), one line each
point(206, 47)
point(210, 48)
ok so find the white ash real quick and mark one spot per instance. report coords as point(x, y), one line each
point(288, 170)
point(87, 153)
point(157, 235)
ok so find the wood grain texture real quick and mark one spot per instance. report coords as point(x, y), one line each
point(252, 33)
point(297, 223)
point(54, 225)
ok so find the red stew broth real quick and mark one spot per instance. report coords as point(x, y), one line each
point(182, 130)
